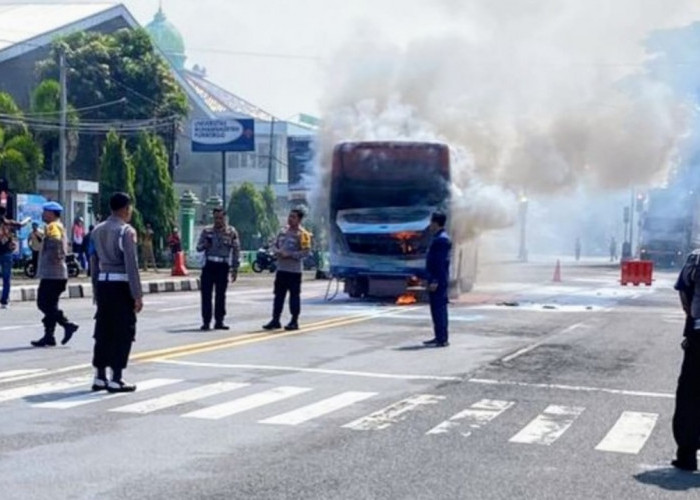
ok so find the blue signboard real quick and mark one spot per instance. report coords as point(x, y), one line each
point(29, 206)
point(210, 136)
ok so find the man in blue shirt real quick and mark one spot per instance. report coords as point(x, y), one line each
point(437, 267)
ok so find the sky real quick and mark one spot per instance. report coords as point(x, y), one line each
point(315, 30)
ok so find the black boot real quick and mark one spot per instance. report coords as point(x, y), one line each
point(292, 325)
point(686, 459)
point(274, 324)
point(68, 330)
point(47, 340)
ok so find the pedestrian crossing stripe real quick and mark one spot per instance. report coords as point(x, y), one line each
point(320, 408)
point(179, 398)
point(549, 426)
point(474, 417)
point(391, 414)
point(247, 403)
point(628, 435)
point(85, 397)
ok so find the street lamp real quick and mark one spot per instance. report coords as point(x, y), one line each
point(522, 254)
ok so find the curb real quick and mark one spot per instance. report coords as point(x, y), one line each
point(84, 290)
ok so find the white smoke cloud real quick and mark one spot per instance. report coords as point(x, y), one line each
point(536, 96)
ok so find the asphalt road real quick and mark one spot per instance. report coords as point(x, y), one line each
point(547, 391)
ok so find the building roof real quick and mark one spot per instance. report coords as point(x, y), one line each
point(220, 101)
point(168, 38)
point(27, 25)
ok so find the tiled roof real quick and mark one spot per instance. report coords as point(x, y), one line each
point(220, 101)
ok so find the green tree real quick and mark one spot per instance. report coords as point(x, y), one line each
point(20, 156)
point(272, 223)
point(20, 161)
point(246, 211)
point(155, 192)
point(116, 171)
point(45, 106)
point(118, 67)
point(9, 112)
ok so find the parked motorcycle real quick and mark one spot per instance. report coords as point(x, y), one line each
point(71, 263)
point(264, 259)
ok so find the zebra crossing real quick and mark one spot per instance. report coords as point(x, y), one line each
point(628, 435)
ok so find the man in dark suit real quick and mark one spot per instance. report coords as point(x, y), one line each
point(437, 267)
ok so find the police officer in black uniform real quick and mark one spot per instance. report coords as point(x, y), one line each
point(118, 294)
point(686, 419)
point(222, 249)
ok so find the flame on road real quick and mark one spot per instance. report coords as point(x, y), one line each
point(406, 299)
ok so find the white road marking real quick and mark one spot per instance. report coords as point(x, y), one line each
point(16, 373)
point(575, 388)
point(391, 414)
point(181, 308)
point(178, 398)
point(84, 398)
point(630, 433)
point(320, 408)
point(247, 403)
point(549, 426)
point(14, 327)
point(310, 370)
point(43, 388)
point(529, 348)
point(475, 417)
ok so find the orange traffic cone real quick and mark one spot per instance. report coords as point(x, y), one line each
point(179, 268)
point(557, 273)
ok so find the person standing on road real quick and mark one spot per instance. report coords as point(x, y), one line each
point(175, 244)
point(686, 418)
point(437, 267)
point(78, 241)
point(8, 245)
point(613, 249)
point(118, 294)
point(222, 250)
point(53, 277)
point(577, 249)
point(292, 246)
point(35, 242)
point(147, 248)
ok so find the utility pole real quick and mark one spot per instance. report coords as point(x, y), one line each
point(62, 137)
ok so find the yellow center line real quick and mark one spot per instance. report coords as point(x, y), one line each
point(211, 345)
point(260, 336)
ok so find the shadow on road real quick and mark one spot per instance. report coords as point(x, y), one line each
point(9, 350)
point(670, 479)
point(418, 347)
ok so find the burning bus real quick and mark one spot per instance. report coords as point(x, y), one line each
point(382, 195)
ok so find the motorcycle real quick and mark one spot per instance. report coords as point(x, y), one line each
point(264, 259)
point(71, 264)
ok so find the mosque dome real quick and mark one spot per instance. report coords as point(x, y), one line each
point(167, 37)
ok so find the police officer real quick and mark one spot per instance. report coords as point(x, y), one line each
point(118, 294)
point(222, 249)
point(437, 267)
point(686, 418)
point(53, 275)
point(291, 247)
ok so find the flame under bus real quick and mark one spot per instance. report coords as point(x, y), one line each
point(382, 195)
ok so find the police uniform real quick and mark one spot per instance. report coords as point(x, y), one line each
point(53, 278)
point(686, 418)
point(222, 250)
point(117, 286)
point(437, 267)
point(296, 244)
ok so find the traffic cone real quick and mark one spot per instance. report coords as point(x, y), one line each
point(557, 273)
point(179, 268)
